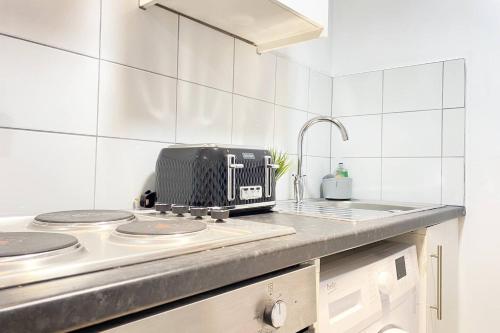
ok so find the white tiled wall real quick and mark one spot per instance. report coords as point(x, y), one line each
point(407, 132)
point(31, 72)
point(45, 171)
point(136, 104)
point(206, 56)
point(69, 25)
point(137, 38)
point(92, 90)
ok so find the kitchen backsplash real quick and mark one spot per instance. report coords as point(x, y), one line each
point(92, 90)
point(407, 130)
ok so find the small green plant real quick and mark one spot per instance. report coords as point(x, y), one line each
point(283, 162)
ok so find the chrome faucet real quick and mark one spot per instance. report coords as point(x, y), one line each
point(298, 182)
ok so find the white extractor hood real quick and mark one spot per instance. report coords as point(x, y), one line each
point(268, 24)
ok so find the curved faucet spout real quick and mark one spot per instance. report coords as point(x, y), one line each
point(298, 178)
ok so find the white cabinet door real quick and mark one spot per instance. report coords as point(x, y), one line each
point(444, 235)
point(268, 24)
point(427, 241)
point(316, 10)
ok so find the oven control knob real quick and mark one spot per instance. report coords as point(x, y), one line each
point(199, 212)
point(275, 314)
point(179, 209)
point(219, 214)
point(162, 207)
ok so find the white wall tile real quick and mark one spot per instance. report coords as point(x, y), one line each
point(292, 82)
point(320, 93)
point(454, 84)
point(48, 89)
point(366, 176)
point(286, 129)
point(205, 55)
point(318, 138)
point(316, 169)
point(411, 179)
point(412, 134)
point(253, 122)
point(136, 104)
point(364, 137)
point(45, 172)
point(357, 94)
point(413, 88)
point(125, 169)
point(203, 114)
point(453, 132)
point(254, 74)
point(453, 181)
point(284, 185)
point(70, 25)
point(146, 39)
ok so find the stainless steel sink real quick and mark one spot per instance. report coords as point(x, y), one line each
point(353, 210)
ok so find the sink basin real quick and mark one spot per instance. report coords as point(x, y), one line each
point(353, 210)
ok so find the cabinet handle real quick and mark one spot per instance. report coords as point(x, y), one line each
point(439, 288)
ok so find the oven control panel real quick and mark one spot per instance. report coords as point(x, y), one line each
point(283, 302)
point(250, 192)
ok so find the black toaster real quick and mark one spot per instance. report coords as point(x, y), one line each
point(209, 175)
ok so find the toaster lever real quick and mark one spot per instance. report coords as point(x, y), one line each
point(231, 176)
point(269, 167)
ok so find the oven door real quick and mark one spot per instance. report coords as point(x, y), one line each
point(284, 301)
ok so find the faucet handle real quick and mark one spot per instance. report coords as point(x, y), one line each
point(294, 175)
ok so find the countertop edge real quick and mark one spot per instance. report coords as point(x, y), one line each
point(151, 284)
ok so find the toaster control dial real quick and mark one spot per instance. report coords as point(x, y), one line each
point(275, 314)
point(162, 207)
point(219, 214)
point(180, 210)
point(199, 212)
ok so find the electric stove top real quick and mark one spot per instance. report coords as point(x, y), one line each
point(59, 244)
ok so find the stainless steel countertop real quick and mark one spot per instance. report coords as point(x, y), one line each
point(78, 301)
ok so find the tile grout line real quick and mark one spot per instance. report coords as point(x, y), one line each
point(274, 99)
point(177, 78)
point(308, 112)
point(465, 132)
point(442, 129)
point(232, 92)
point(138, 68)
point(46, 131)
point(393, 112)
point(81, 134)
point(133, 139)
point(52, 46)
point(331, 115)
point(254, 98)
point(382, 136)
point(397, 67)
point(167, 142)
point(98, 104)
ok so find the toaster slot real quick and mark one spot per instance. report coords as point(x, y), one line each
point(231, 176)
